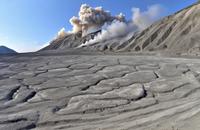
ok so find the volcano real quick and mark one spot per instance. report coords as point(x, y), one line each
point(75, 88)
point(177, 33)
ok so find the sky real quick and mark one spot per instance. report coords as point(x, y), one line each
point(28, 25)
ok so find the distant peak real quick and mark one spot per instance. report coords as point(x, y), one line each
point(6, 50)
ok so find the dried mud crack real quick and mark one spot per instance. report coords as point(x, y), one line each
point(99, 92)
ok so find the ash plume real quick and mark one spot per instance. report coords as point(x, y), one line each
point(110, 31)
point(92, 19)
point(61, 33)
point(117, 28)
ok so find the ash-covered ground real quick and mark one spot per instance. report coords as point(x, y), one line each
point(49, 91)
point(91, 79)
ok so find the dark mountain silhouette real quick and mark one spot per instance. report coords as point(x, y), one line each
point(6, 50)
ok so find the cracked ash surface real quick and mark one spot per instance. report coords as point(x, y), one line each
point(99, 92)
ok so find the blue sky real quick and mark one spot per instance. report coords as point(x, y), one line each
point(27, 25)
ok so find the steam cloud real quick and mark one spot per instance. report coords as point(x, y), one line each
point(139, 22)
point(144, 19)
point(94, 19)
point(110, 31)
point(61, 33)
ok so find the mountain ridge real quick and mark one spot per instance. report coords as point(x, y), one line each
point(176, 33)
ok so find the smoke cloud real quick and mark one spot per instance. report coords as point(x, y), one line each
point(144, 19)
point(95, 19)
point(92, 19)
point(110, 31)
point(140, 21)
point(61, 33)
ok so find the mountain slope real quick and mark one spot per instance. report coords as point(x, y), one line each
point(179, 33)
point(69, 41)
point(6, 50)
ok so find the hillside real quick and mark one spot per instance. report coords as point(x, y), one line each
point(179, 33)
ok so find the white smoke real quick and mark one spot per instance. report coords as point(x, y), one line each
point(110, 31)
point(139, 22)
point(144, 19)
point(61, 33)
point(92, 19)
